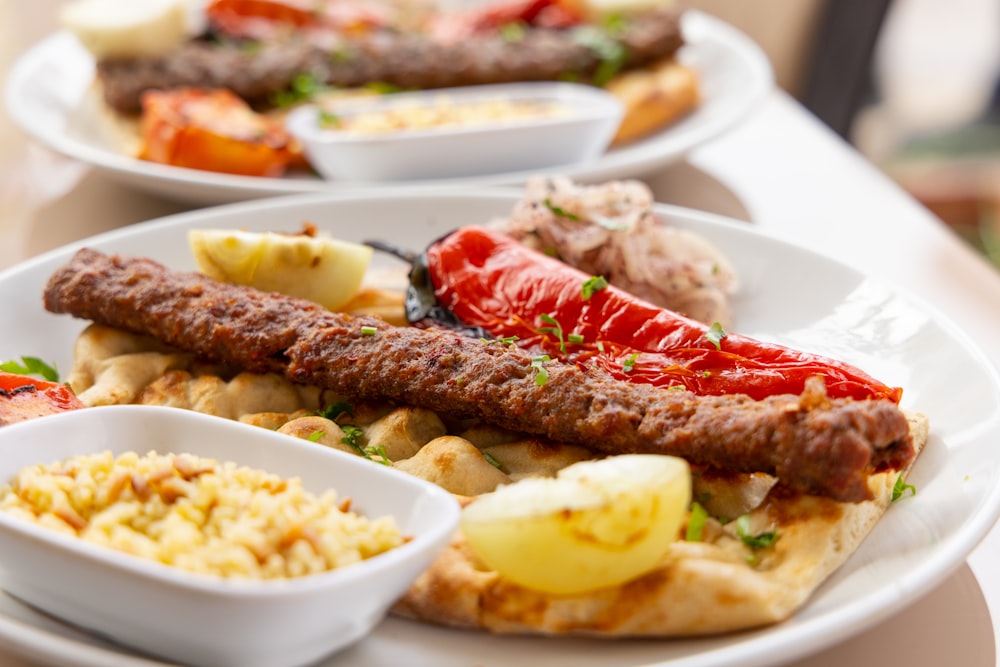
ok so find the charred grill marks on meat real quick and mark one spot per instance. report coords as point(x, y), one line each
point(389, 57)
point(812, 443)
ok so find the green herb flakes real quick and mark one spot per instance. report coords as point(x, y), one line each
point(696, 523)
point(900, 488)
point(541, 375)
point(561, 212)
point(592, 285)
point(715, 334)
point(763, 540)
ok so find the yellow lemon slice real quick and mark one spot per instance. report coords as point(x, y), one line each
point(596, 524)
point(127, 27)
point(319, 268)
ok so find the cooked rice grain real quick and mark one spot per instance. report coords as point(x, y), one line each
point(197, 514)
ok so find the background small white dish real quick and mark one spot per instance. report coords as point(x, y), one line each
point(198, 619)
point(586, 120)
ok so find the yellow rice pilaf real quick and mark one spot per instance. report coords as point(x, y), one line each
point(198, 514)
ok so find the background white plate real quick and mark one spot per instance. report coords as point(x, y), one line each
point(788, 295)
point(49, 95)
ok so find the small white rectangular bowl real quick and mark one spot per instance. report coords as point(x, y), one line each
point(592, 116)
point(197, 619)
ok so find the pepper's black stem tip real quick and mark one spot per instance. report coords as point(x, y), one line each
point(407, 256)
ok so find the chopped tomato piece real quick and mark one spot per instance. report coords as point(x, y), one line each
point(23, 397)
point(214, 130)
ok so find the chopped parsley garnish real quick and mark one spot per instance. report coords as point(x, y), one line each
point(512, 32)
point(629, 365)
point(901, 487)
point(611, 53)
point(556, 330)
point(715, 334)
point(352, 437)
point(593, 284)
point(492, 461)
point(383, 87)
point(760, 540)
point(507, 341)
point(31, 366)
point(696, 523)
point(614, 24)
point(372, 451)
point(541, 375)
point(303, 88)
point(369, 331)
point(327, 119)
point(561, 212)
point(335, 410)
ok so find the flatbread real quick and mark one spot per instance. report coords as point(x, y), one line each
point(710, 586)
point(654, 98)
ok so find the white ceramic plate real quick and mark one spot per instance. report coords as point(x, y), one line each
point(788, 295)
point(49, 96)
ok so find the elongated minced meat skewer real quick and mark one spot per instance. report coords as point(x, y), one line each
point(811, 443)
point(401, 59)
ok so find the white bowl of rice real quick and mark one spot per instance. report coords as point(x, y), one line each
point(456, 132)
point(205, 541)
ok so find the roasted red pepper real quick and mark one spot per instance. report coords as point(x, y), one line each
point(266, 19)
point(23, 397)
point(491, 17)
point(490, 281)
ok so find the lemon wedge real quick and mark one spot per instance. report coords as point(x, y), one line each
point(319, 268)
point(596, 524)
point(110, 28)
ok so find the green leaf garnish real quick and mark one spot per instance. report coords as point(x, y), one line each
point(593, 284)
point(303, 88)
point(715, 334)
point(492, 461)
point(315, 436)
point(335, 410)
point(561, 212)
point(352, 438)
point(901, 487)
point(611, 53)
point(759, 541)
point(556, 330)
point(327, 119)
point(629, 365)
point(383, 87)
point(507, 341)
point(31, 366)
point(541, 375)
point(377, 454)
point(696, 523)
point(512, 32)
